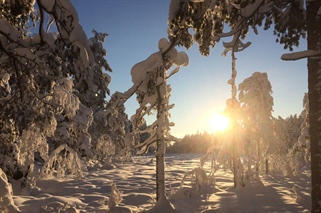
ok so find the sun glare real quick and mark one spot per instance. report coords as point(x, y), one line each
point(219, 122)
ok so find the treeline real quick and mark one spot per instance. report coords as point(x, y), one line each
point(196, 143)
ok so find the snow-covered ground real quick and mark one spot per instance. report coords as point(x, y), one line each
point(136, 181)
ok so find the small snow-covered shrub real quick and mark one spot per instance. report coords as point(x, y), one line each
point(6, 200)
point(17, 152)
point(66, 101)
point(60, 207)
point(62, 161)
point(198, 179)
point(73, 131)
point(115, 197)
point(32, 140)
point(105, 149)
point(124, 153)
point(198, 182)
point(9, 157)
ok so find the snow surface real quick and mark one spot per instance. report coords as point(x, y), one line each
point(136, 182)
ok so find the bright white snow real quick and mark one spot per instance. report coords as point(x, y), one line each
point(136, 183)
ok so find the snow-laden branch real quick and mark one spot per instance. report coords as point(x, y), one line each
point(60, 162)
point(121, 98)
point(11, 33)
point(260, 6)
point(301, 55)
point(69, 28)
point(171, 138)
point(146, 144)
point(250, 9)
point(18, 48)
point(236, 44)
point(231, 32)
point(142, 111)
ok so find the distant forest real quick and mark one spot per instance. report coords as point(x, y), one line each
point(197, 143)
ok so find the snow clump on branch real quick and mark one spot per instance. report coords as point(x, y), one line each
point(140, 70)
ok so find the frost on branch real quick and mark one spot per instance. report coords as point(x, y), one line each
point(62, 161)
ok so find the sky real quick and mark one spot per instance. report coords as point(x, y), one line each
point(200, 90)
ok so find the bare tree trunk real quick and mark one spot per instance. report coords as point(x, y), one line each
point(160, 144)
point(234, 154)
point(314, 76)
point(160, 169)
point(266, 166)
point(249, 167)
point(257, 166)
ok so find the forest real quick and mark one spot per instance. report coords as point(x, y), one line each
point(58, 119)
point(201, 142)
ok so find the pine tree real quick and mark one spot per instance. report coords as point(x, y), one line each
point(256, 109)
point(50, 80)
point(153, 92)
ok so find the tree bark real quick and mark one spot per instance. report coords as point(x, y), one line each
point(160, 144)
point(266, 166)
point(258, 164)
point(233, 152)
point(314, 77)
point(160, 170)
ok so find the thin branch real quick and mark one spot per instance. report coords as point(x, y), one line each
point(18, 77)
point(147, 142)
point(8, 99)
point(41, 22)
point(123, 97)
point(146, 111)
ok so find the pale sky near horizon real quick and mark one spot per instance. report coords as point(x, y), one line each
point(199, 90)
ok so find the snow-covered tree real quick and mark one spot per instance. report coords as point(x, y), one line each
point(304, 138)
point(291, 19)
point(153, 93)
point(256, 112)
point(285, 155)
point(119, 129)
point(298, 141)
point(51, 82)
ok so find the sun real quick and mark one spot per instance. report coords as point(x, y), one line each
point(219, 122)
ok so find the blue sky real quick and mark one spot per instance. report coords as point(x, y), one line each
point(199, 90)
